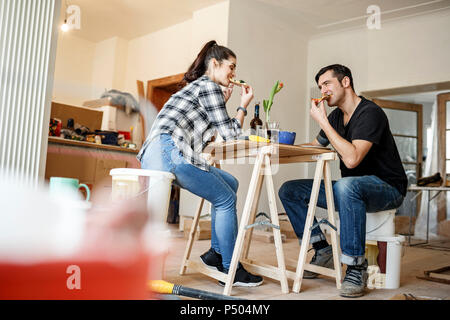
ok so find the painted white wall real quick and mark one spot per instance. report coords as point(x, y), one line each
point(159, 54)
point(268, 48)
point(171, 50)
point(404, 52)
point(73, 70)
point(103, 67)
point(209, 23)
point(109, 66)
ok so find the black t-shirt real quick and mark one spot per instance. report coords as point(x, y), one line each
point(370, 123)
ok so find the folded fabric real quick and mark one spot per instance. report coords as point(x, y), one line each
point(434, 179)
point(122, 99)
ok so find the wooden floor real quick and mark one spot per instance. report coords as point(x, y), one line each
point(415, 261)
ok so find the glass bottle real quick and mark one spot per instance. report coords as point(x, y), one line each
point(256, 121)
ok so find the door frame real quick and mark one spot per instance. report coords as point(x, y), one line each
point(412, 107)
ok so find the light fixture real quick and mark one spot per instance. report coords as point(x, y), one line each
point(65, 26)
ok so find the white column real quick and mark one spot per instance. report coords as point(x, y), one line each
point(28, 35)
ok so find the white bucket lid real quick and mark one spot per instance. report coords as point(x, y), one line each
point(141, 172)
point(395, 238)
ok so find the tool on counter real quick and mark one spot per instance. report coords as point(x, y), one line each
point(164, 287)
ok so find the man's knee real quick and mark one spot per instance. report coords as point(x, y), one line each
point(286, 190)
point(345, 187)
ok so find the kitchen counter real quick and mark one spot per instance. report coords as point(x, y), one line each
point(88, 162)
point(58, 140)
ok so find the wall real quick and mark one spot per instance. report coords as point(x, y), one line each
point(269, 47)
point(159, 54)
point(404, 52)
point(170, 51)
point(73, 70)
point(109, 66)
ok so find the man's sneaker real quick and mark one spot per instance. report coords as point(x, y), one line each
point(243, 278)
point(212, 260)
point(355, 281)
point(323, 258)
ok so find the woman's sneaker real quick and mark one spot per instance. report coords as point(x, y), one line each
point(355, 281)
point(212, 260)
point(243, 278)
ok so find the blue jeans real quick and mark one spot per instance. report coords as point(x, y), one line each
point(216, 186)
point(353, 197)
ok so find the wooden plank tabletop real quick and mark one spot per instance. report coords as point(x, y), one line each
point(245, 148)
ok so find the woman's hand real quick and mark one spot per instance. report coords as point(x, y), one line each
point(246, 96)
point(227, 91)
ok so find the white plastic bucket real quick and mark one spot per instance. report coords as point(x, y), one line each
point(126, 184)
point(380, 223)
point(393, 258)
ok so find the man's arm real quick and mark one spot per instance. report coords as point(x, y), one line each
point(350, 153)
point(314, 143)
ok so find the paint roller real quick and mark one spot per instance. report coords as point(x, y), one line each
point(164, 287)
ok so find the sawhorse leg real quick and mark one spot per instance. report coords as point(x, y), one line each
point(253, 213)
point(187, 252)
point(322, 170)
point(263, 159)
point(256, 175)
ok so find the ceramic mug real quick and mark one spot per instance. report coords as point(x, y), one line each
point(59, 183)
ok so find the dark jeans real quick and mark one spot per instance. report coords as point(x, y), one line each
point(353, 197)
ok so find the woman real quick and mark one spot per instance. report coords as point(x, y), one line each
point(181, 131)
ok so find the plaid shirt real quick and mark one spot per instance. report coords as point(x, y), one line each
point(191, 117)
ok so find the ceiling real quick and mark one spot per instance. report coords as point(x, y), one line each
point(128, 19)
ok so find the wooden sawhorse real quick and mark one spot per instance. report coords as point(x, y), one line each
point(266, 155)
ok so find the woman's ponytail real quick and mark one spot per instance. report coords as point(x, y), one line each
point(210, 50)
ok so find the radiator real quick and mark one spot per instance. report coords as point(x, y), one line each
point(28, 34)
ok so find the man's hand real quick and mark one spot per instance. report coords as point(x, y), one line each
point(318, 112)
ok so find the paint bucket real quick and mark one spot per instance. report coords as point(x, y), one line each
point(156, 187)
point(390, 262)
point(128, 183)
point(380, 223)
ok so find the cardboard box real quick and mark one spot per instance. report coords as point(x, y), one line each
point(203, 229)
point(266, 236)
point(286, 228)
point(71, 166)
point(102, 178)
point(84, 116)
point(89, 170)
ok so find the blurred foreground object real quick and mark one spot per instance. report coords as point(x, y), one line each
point(55, 246)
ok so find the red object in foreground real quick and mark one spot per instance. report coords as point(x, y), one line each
point(97, 279)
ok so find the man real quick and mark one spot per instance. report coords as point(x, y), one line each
point(373, 178)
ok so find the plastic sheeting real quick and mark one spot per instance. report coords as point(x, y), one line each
point(431, 167)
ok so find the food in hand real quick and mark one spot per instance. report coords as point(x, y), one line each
point(239, 82)
point(325, 97)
